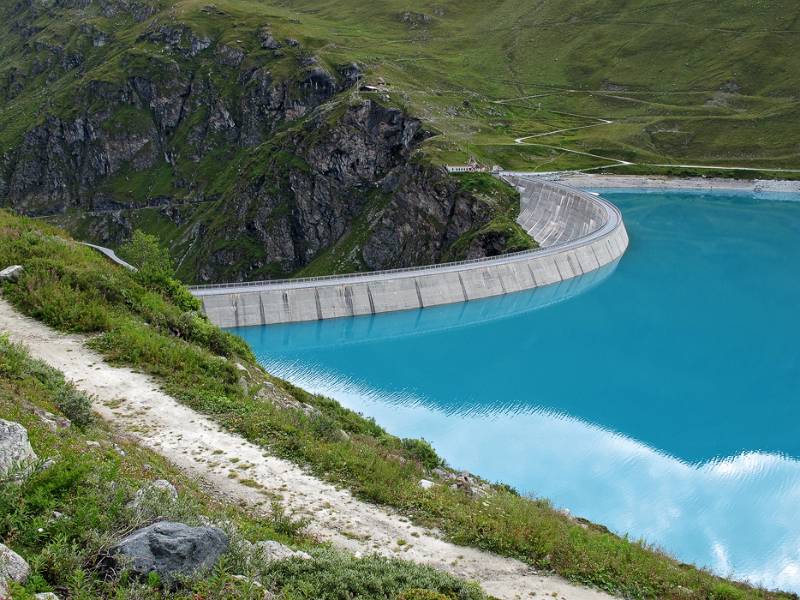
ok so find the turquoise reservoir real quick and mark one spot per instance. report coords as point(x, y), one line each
point(659, 397)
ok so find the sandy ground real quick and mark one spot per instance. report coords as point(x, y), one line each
point(588, 180)
point(133, 403)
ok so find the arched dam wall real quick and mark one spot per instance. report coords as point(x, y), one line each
point(578, 233)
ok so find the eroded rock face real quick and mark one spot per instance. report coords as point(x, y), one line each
point(358, 167)
point(15, 449)
point(171, 550)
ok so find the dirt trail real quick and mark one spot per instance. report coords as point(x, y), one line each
point(135, 405)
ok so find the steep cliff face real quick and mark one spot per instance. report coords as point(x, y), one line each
point(248, 157)
point(343, 193)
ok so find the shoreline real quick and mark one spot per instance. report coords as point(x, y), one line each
point(663, 182)
point(134, 404)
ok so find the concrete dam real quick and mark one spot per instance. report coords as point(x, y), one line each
point(578, 233)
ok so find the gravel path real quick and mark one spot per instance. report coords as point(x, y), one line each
point(135, 405)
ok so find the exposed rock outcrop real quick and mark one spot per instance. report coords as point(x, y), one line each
point(322, 179)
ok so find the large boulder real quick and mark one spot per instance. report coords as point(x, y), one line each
point(12, 567)
point(15, 449)
point(171, 550)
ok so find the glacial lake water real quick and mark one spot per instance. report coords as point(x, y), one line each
point(659, 397)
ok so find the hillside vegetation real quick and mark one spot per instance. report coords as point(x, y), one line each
point(65, 516)
point(701, 82)
point(150, 323)
point(248, 151)
point(263, 139)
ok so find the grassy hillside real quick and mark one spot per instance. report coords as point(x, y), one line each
point(701, 82)
point(233, 130)
point(63, 518)
point(151, 325)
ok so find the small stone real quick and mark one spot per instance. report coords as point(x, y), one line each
point(46, 596)
point(426, 484)
point(93, 444)
point(11, 273)
point(47, 464)
point(120, 451)
point(12, 565)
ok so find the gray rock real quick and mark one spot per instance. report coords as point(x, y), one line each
point(171, 550)
point(426, 484)
point(15, 449)
point(12, 565)
point(11, 273)
point(46, 596)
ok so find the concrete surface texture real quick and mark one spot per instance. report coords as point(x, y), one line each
point(578, 233)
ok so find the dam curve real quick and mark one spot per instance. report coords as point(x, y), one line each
point(578, 233)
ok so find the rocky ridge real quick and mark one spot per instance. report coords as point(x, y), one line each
point(252, 158)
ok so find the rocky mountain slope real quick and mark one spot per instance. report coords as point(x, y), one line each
point(248, 152)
